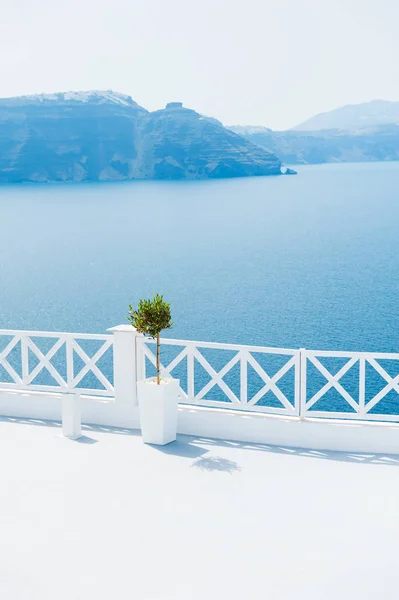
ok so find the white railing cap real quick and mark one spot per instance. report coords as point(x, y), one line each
point(124, 329)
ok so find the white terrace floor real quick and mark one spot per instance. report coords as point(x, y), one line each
point(110, 518)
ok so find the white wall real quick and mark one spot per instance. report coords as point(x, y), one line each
point(98, 411)
point(316, 434)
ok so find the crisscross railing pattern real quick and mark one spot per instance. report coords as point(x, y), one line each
point(63, 366)
point(307, 383)
point(369, 381)
point(242, 392)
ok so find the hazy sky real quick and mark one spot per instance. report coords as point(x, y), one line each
point(256, 62)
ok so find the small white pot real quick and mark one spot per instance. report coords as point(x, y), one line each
point(158, 410)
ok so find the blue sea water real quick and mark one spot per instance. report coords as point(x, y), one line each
point(307, 261)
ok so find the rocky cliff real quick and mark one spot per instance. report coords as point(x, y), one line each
point(91, 136)
point(378, 143)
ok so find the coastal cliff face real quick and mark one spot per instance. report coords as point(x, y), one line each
point(92, 136)
point(378, 143)
point(178, 143)
point(68, 137)
point(353, 133)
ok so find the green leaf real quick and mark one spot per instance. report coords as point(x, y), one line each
point(151, 316)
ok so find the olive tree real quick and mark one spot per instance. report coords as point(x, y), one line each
point(150, 318)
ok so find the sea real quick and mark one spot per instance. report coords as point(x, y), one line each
point(292, 261)
point(307, 261)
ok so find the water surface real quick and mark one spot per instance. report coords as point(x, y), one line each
point(308, 261)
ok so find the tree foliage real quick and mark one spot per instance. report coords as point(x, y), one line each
point(150, 318)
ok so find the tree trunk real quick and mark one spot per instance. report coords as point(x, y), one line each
point(158, 358)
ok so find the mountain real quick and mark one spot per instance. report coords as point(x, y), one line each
point(180, 143)
point(71, 99)
point(354, 116)
point(334, 145)
point(96, 135)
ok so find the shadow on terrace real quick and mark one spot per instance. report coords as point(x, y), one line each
point(195, 447)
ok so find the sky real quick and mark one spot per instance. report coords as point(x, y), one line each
point(246, 62)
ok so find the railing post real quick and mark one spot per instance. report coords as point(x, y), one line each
point(24, 360)
point(125, 364)
point(302, 382)
point(362, 387)
point(190, 373)
point(71, 416)
point(243, 378)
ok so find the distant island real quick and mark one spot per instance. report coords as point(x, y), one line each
point(106, 136)
point(353, 133)
point(354, 117)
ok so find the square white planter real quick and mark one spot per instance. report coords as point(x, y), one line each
point(158, 405)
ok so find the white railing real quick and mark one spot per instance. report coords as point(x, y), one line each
point(303, 383)
point(248, 388)
point(365, 384)
point(351, 376)
point(54, 362)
